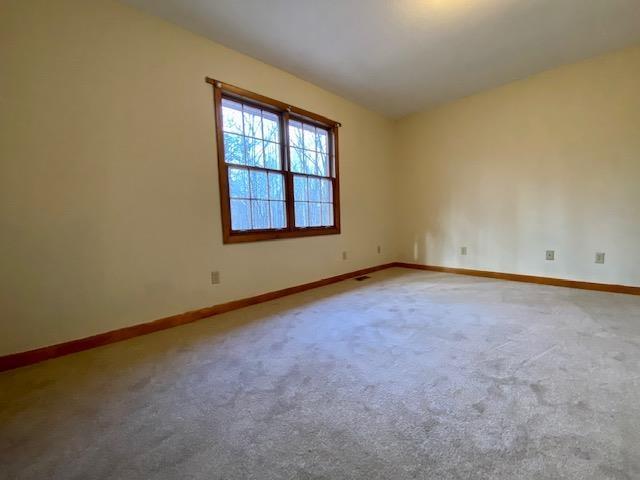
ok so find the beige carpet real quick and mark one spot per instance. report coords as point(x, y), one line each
point(407, 375)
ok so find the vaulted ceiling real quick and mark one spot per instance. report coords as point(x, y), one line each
point(400, 56)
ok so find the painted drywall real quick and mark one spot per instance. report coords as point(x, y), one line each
point(548, 163)
point(108, 182)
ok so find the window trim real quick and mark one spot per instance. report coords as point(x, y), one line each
point(284, 111)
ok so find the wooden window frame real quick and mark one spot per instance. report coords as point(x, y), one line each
point(285, 112)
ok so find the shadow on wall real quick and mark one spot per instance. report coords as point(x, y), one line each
point(497, 234)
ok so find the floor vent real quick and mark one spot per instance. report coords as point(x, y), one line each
point(363, 277)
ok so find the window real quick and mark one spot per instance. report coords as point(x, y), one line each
point(277, 166)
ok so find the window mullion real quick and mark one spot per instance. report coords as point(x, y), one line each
point(288, 176)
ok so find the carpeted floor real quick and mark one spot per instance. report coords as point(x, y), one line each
point(406, 375)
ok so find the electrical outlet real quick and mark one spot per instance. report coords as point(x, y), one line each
point(379, 249)
point(463, 250)
point(344, 255)
point(599, 257)
point(215, 278)
point(551, 255)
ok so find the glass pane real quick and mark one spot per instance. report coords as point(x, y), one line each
point(260, 213)
point(252, 122)
point(272, 155)
point(301, 214)
point(310, 163)
point(233, 148)
point(327, 214)
point(270, 126)
point(259, 185)
point(276, 186)
point(240, 215)
point(326, 194)
point(315, 214)
point(252, 137)
point(322, 140)
point(231, 116)
point(278, 219)
point(322, 160)
point(300, 188)
point(254, 152)
point(314, 190)
point(238, 182)
point(296, 160)
point(295, 134)
point(309, 137)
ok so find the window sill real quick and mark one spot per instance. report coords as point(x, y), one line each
point(242, 237)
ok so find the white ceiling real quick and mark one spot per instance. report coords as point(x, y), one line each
point(400, 56)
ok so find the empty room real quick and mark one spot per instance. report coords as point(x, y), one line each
point(320, 239)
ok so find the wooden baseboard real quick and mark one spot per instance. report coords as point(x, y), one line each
point(22, 359)
point(516, 277)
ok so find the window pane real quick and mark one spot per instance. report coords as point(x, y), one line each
point(231, 116)
point(322, 160)
point(322, 140)
point(309, 165)
point(272, 155)
point(315, 214)
point(252, 122)
point(276, 186)
point(327, 214)
point(300, 188)
point(278, 217)
point(308, 149)
point(326, 193)
point(259, 185)
point(240, 215)
point(270, 126)
point(314, 190)
point(254, 152)
point(309, 137)
point(260, 213)
point(301, 214)
point(296, 159)
point(295, 134)
point(233, 148)
point(238, 182)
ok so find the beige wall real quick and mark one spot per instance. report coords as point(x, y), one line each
point(108, 182)
point(551, 162)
